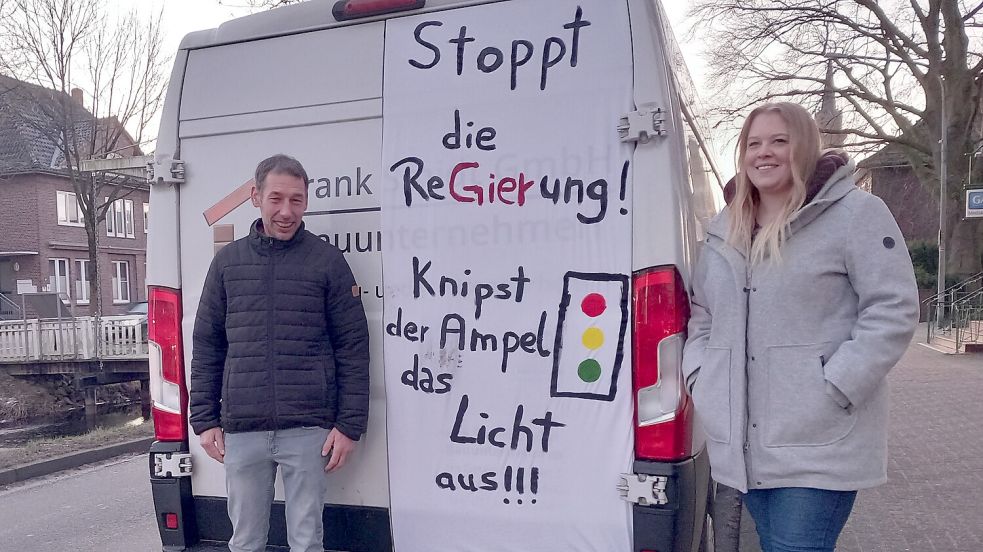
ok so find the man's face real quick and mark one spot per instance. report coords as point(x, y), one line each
point(281, 204)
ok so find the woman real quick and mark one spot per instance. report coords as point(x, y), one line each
point(804, 298)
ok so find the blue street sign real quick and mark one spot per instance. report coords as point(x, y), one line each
point(974, 203)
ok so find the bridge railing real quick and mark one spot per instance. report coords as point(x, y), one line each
point(72, 339)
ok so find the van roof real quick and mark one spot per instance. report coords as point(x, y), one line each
point(304, 17)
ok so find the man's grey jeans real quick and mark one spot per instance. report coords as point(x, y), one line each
point(251, 459)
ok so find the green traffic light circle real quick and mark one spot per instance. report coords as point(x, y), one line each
point(589, 370)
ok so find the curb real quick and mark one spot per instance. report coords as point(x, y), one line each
point(24, 472)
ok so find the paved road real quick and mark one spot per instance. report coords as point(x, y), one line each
point(931, 503)
point(935, 464)
point(101, 508)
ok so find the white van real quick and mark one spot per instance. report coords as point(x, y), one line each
point(520, 188)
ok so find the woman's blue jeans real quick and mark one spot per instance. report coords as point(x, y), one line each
point(798, 519)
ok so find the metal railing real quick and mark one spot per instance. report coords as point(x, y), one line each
point(72, 339)
point(957, 313)
point(9, 309)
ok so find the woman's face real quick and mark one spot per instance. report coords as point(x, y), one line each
point(766, 161)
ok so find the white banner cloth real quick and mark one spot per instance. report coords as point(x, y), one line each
point(506, 211)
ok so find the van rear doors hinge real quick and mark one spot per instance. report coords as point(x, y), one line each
point(171, 464)
point(165, 170)
point(642, 125)
point(645, 490)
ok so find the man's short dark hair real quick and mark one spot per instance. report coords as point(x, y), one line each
point(279, 164)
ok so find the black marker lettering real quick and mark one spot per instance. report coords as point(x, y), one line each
point(488, 478)
point(517, 62)
point(461, 40)
point(433, 48)
point(549, 61)
point(576, 25)
point(483, 64)
point(419, 279)
point(462, 409)
point(410, 178)
point(598, 191)
point(446, 481)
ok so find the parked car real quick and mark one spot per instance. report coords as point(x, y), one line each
point(140, 310)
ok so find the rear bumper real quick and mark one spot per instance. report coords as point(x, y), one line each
point(203, 521)
point(677, 526)
point(345, 527)
point(172, 495)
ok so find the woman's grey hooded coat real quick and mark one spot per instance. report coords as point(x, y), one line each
point(786, 362)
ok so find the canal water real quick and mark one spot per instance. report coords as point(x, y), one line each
point(73, 422)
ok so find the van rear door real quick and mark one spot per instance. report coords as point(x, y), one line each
point(508, 361)
point(318, 97)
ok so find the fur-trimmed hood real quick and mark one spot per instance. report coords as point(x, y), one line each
point(829, 163)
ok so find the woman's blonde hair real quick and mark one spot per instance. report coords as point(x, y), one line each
point(804, 154)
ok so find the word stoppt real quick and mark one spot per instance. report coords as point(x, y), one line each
point(490, 58)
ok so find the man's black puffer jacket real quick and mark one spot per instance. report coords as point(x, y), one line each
point(281, 338)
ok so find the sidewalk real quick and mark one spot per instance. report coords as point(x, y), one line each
point(931, 502)
point(73, 460)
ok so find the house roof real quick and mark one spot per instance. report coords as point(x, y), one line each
point(888, 156)
point(891, 155)
point(28, 129)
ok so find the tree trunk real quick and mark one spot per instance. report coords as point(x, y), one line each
point(95, 285)
point(965, 244)
point(963, 238)
point(97, 314)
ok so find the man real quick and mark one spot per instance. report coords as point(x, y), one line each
point(280, 368)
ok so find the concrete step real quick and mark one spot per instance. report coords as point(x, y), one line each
point(940, 348)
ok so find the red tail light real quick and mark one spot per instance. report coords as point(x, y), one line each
point(353, 9)
point(170, 521)
point(663, 411)
point(168, 389)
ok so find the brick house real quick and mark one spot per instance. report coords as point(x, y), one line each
point(43, 243)
point(888, 175)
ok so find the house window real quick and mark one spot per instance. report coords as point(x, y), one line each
point(82, 281)
point(121, 282)
point(69, 213)
point(119, 218)
point(146, 218)
point(58, 276)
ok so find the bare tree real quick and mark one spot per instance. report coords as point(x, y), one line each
point(51, 47)
point(258, 4)
point(892, 64)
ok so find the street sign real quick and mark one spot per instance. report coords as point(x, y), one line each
point(974, 203)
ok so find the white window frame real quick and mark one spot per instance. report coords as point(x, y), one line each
point(146, 217)
point(119, 219)
point(128, 217)
point(58, 276)
point(82, 281)
point(64, 202)
point(121, 282)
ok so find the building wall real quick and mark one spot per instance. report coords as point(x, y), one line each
point(914, 208)
point(37, 195)
point(19, 228)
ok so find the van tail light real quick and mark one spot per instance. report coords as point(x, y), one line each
point(663, 411)
point(344, 10)
point(168, 389)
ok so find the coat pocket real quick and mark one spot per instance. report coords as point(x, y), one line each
point(800, 412)
point(711, 394)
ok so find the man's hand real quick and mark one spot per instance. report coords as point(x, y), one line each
point(339, 446)
point(213, 441)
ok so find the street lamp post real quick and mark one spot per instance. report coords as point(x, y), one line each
point(942, 205)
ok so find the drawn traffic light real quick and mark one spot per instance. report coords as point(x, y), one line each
point(590, 336)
